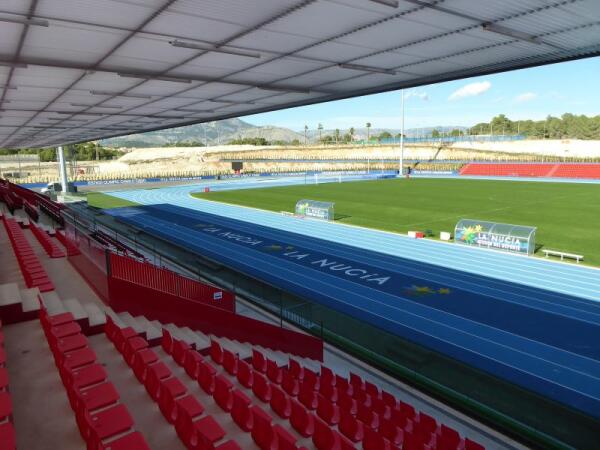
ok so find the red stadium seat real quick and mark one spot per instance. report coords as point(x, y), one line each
point(259, 361)
point(367, 416)
point(5, 405)
point(284, 440)
point(328, 411)
point(131, 441)
point(180, 349)
point(274, 373)
point(290, 384)
point(389, 430)
point(206, 377)
point(262, 430)
point(448, 439)
point(245, 374)
point(240, 411)
point(280, 402)
point(329, 391)
point(302, 420)
point(191, 362)
point(308, 397)
point(216, 352)
point(311, 379)
point(167, 341)
point(296, 369)
point(155, 373)
point(8, 439)
point(327, 376)
point(141, 361)
point(168, 392)
point(347, 403)
point(261, 387)
point(185, 407)
point(230, 362)
point(350, 427)
point(222, 393)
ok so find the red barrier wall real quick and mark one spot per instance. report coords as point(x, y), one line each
point(168, 282)
point(155, 305)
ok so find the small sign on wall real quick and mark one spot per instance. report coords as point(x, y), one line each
point(218, 295)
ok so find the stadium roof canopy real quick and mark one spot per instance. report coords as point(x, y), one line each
point(78, 70)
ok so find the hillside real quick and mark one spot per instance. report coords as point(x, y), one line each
point(214, 133)
point(224, 131)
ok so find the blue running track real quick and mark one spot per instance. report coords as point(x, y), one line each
point(570, 279)
point(545, 341)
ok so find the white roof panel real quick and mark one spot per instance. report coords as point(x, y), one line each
point(238, 57)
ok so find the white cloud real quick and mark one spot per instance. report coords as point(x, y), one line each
point(525, 97)
point(470, 90)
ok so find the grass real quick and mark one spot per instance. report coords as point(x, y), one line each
point(566, 214)
point(104, 201)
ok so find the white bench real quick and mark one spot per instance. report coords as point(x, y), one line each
point(563, 255)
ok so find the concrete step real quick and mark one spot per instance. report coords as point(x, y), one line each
point(52, 302)
point(194, 338)
point(130, 321)
point(30, 301)
point(114, 316)
point(95, 315)
point(75, 307)
point(151, 331)
point(10, 294)
point(243, 350)
point(175, 332)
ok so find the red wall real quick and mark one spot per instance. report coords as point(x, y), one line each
point(168, 282)
point(155, 305)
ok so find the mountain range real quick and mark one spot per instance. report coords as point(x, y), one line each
point(224, 131)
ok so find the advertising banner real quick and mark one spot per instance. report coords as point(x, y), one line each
point(497, 236)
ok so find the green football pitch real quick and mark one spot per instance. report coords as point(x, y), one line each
point(567, 215)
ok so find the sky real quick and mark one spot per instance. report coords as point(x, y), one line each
point(522, 94)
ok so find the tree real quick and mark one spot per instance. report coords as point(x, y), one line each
point(305, 131)
point(456, 132)
point(384, 135)
point(320, 128)
point(351, 133)
point(368, 131)
point(337, 135)
point(435, 133)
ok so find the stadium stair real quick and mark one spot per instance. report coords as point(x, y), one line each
point(31, 268)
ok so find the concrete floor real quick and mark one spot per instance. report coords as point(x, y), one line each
point(42, 415)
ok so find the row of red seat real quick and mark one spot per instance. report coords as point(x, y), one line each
point(104, 422)
point(51, 248)
point(31, 211)
point(198, 431)
point(12, 201)
point(359, 410)
point(552, 170)
point(7, 429)
point(31, 268)
point(249, 418)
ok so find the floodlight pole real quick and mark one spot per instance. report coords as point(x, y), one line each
point(62, 167)
point(401, 163)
